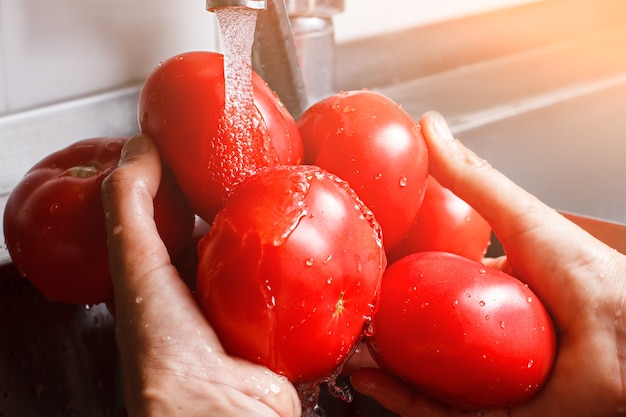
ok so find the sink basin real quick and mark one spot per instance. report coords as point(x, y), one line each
point(552, 119)
point(549, 114)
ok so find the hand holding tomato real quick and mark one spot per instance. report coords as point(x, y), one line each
point(173, 364)
point(578, 278)
point(54, 224)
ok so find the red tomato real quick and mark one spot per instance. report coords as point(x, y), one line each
point(291, 280)
point(54, 223)
point(470, 336)
point(445, 223)
point(369, 141)
point(180, 108)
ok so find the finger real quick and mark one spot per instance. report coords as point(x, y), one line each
point(158, 320)
point(554, 256)
point(140, 264)
point(396, 396)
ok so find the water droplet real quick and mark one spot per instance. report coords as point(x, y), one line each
point(481, 303)
point(468, 218)
point(329, 280)
point(308, 261)
point(487, 317)
point(502, 325)
point(424, 304)
point(468, 295)
point(378, 176)
point(139, 299)
point(482, 271)
point(530, 363)
point(54, 207)
point(404, 181)
point(455, 303)
point(529, 299)
point(369, 329)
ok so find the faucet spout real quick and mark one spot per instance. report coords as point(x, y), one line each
point(275, 58)
point(212, 5)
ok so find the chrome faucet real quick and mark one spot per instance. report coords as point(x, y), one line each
point(293, 47)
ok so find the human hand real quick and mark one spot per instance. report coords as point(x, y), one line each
point(172, 361)
point(581, 281)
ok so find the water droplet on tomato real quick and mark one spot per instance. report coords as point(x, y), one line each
point(139, 299)
point(482, 271)
point(529, 299)
point(487, 317)
point(502, 325)
point(455, 303)
point(308, 261)
point(349, 109)
point(369, 329)
point(481, 303)
point(404, 181)
point(329, 280)
point(530, 363)
point(468, 218)
point(54, 207)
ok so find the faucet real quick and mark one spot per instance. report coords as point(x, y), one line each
point(293, 48)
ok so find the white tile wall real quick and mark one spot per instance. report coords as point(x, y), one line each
point(59, 49)
point(3, 101)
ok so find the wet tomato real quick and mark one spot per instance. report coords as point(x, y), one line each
point(289, 273)
point(445, 223)
point(468, 335)
point(181, 105)
point(369, 141)
point(54, 224)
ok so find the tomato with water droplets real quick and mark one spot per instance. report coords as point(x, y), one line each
point(369, 141)
point(54, 224)
point(468, 335)
point(445, 223)
point(182, 108)
point(289, 273)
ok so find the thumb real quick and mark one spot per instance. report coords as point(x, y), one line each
point(556, 258)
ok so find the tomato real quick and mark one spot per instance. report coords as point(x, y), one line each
point(468, 335)
point(54, 223)
point(369, 141)
point(180, 107)
point(291, 280)
point(445, 223)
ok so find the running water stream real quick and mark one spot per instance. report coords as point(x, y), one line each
point(246, 144)
point(237, 26)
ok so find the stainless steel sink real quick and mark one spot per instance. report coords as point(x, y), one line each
point(549, 110)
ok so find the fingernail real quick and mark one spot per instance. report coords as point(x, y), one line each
point(137, 145)
point(440, 127)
